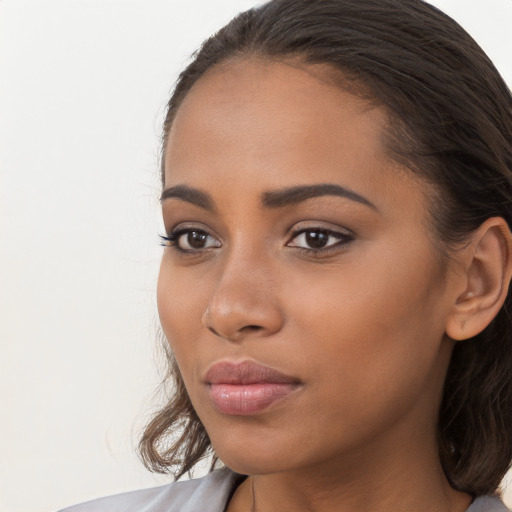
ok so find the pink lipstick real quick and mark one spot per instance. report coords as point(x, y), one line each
point(247, 388)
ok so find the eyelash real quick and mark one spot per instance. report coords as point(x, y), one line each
point(173, 238)
point(342, 237)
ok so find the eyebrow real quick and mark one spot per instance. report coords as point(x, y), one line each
point(294, 195)
point(273, 199)
point(190, 195)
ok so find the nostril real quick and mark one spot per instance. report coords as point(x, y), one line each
point(252, 328)
point(238, 333)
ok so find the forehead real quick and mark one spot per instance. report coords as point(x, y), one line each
point(255, 103)
point(272, 91)
point(279, 124)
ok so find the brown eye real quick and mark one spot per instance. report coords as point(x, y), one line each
point(317, 239)
point(194, 239)
point(191, 240)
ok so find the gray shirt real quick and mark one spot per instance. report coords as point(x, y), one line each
point(208, 494)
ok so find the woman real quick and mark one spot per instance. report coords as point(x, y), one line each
point(337, 195)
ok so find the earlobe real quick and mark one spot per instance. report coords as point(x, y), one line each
point(488, 271)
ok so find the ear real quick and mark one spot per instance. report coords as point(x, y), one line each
point(487, 273)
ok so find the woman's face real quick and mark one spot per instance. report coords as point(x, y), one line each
point(301, 292)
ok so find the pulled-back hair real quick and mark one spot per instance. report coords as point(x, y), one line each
point(450, 122)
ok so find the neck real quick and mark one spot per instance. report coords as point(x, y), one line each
point(400, 478)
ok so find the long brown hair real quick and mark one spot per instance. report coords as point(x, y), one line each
point(450, 121)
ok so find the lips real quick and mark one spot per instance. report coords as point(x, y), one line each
point(247, 388)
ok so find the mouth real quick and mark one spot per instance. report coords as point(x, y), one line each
point(247, 387)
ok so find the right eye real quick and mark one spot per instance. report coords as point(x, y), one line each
point(190, 240)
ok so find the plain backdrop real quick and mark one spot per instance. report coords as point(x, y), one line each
point(83, 85)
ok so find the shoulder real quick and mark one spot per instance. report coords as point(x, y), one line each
point(187, 496)
point(487, 504)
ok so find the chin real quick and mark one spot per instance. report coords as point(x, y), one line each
point(253, 456)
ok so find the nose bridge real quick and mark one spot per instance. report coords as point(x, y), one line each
point(245, 299)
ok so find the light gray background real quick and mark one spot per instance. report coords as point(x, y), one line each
point(83, 84)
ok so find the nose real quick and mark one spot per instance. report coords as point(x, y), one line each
point(244, 302)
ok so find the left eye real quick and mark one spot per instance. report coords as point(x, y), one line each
point(316, 239)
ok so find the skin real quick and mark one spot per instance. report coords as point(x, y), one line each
point(360, 323)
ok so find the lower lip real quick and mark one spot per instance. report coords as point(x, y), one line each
point(248, 399)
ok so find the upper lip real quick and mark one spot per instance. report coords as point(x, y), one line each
point(246, 372)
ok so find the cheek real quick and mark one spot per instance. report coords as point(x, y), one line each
point(377, 325)
point(181, 298)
